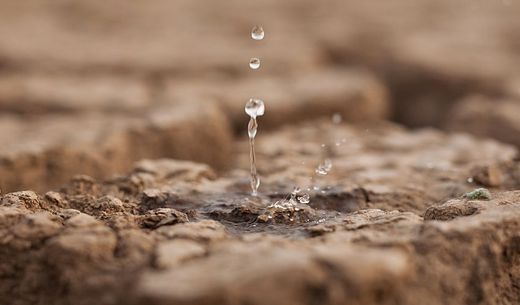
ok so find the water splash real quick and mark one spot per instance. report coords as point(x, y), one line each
point(304, 198)
point(257, 33)
point(254, 108)
point(324, 168)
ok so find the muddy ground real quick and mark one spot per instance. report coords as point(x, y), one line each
point(124, 164)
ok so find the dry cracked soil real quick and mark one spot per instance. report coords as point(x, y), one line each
point(124, 167)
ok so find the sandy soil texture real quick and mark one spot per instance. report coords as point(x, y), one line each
point(124, 166)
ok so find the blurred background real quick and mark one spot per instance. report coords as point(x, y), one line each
point(90, 87)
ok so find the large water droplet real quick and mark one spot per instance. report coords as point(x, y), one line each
point(254, 63)
point(255, 108)
point(257, 33)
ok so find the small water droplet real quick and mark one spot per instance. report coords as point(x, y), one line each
point(304, 199)
point(337, 118)
point(323, 145)
point(255, 108)
point(324, 168)
point(320, 171)
point(328, 164)
point(257, 33)
point(470, 180)
point(254, 63)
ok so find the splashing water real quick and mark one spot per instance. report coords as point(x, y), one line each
point(291, 203)
point(254, 63)
point(304, 198)
point(257, 33)
point(297, 194)
point(324, 168)
point(254, 108)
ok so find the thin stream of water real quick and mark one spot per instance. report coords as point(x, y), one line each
point(255, 180)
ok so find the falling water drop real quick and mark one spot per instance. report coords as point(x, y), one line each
point(255, 108)
point(257, 33)
point(254, 63)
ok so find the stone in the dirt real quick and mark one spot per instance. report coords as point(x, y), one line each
point(162, 217)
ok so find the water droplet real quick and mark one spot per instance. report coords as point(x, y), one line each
point(327, 163)
point(323, 145)
point(257, 33)
point(324, 168)
point(320, 171)
point(337, 118)
point(305, 198)
point(255, 108)
point(470, 180)
point(254, 63)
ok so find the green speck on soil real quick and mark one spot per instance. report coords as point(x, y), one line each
point(478, 194)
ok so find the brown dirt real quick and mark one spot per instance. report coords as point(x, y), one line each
point(387, 227)
point(123, 163)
